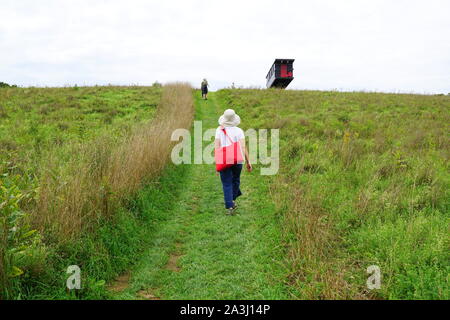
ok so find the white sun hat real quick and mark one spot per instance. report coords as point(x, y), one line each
point(229, 119)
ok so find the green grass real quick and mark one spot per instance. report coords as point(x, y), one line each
point(215, 256)
point(363, 181)
point(51, 133)
point(34, 121)
point(104, 254)
point(174, 239)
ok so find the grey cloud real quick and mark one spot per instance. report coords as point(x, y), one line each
point(349, 45)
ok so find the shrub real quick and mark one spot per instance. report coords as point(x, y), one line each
point(15, 236)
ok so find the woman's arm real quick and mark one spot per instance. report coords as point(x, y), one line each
point(247, 158)
point(217, 143)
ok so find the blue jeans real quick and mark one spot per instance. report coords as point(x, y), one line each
point(231, 180)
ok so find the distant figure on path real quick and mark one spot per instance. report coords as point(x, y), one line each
point(226, 133)
point(205, 89)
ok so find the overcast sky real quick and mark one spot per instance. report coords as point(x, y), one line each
point(372, 45)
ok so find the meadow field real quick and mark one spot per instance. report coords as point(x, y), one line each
point(70, 160)
point(364, 180)
point(86, 179)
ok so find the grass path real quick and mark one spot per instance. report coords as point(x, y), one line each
point(197, 252)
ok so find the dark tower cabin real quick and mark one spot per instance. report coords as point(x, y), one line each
point(281, 73)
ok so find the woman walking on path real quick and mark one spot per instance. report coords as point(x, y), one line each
point(204, 87)
point(230, 177)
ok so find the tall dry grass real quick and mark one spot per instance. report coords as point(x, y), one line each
point(91, 183)
point(315, 268)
